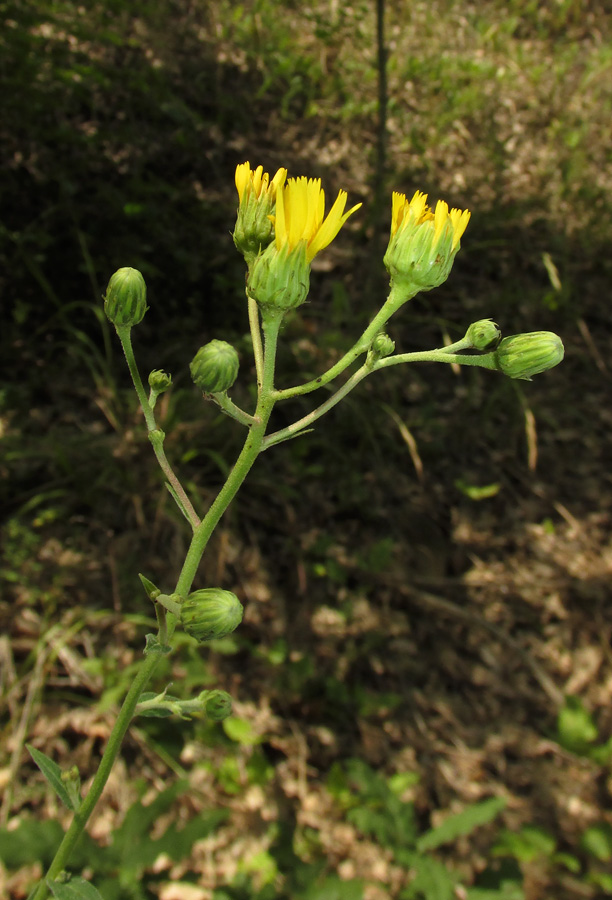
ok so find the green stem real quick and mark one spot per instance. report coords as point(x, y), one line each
point(125, 337)
point(156, 434)
point(484, 360)
point(256, 338)
point(391, 305)
point(230, 408)
point(251, 449)
point(296, 428)
point(201, 535)
point(77, 826)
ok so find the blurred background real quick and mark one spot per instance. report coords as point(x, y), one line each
point(426, 575)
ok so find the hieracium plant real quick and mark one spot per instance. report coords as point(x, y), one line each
point(281, 226)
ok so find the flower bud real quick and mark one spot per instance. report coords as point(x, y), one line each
point(382, 345)
point(211, 613)
point(125, 302)
point(524, 355)
point(218, 705)
point(423, 243)
point(214, 368)
point(280, 278)
point(159, 381)
point(483, 335)
point(257, 193)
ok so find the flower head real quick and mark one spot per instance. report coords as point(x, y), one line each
point(257, 183)
point(280, 276)
point(300, 216)
point(214, 368)
point(423, 242)
point(524, 355)
point(257, 193)
point(125, 302)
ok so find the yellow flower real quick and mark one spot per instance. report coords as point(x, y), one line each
point(423, 242)
point(257, 183)
point(300, 212)
point(416, 212)
point(257, 195)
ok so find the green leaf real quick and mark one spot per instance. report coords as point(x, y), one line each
point(528, 844)
point(597, 841)
point(476, 492)
point(575, 726)
point(461, 824)
point(75, 889)
point(601, 880)
point(241, 731)
point(53, 774)
point(433, 881)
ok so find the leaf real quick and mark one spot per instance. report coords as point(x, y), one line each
point(75, 889)
point(53, 774)
point(433, 881)
point(477, 492)
point(575, 726)
point(461, 824)
point(601, 880)
point(528, 844)
point(597, 841)
point(241, 731)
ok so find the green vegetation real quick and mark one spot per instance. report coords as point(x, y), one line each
point(415, 616)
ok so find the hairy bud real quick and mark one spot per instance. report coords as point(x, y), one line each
point(214, 368)
point(125, 302)
point(211, 613)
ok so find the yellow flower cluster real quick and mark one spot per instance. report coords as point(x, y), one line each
point(282, 226)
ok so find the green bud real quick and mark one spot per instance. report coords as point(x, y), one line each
point(280, 279)
point(214, 368)
point(159, 381)
point(382, 345)
point(524, 355)
point(218, 705)
point(211, 613)
point(125, 302)
point(483, 335)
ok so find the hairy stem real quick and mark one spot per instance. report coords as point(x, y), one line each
point(156, 435)
point(77, 826)
point(390, 306)
point(200, 538)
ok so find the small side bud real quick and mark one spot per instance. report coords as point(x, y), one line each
point(159, 381)
point(483, 335)
point(214, 368)
point(382, 345)
point(525, 355)
point(218, 706)
point(125, 302)
point(211, 613)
